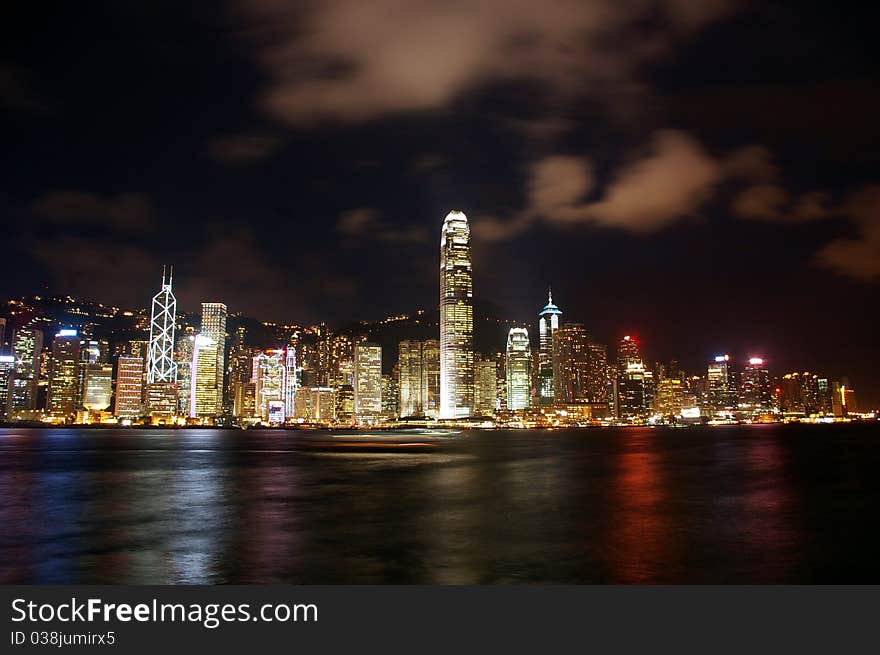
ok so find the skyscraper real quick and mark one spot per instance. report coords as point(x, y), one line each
point(456, 318)
point(204, 393)
point(270, 377)
point(485, 386)
point(390, 397)
point(160, 360)
point(519, 366)
point(27, 345)
point(722, 386)
point(419, 370)
point(214, 327)
point(548, 323)
point(367, 381)
point(409, 362)
point(572, 364)
point(7, 368)
point(129, 387)
point(630, 381)
point(97, 386)
point(755, 394)
point(64, 375)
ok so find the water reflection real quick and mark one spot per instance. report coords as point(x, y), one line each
point(742, 504)
point(640, 544)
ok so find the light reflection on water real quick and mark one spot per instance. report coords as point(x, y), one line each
point(749, 504)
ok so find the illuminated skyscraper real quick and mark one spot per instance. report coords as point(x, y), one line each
point(7, 368)
point(204, 392)
point(548, 323)
point(270, 376)
point(456, 318)
point(129, 387)
point(64, 375)
point(183, 356)
point(160, 360)
point(345, 403)
point(367, 381)
point(755, 392)
point(721, 384)
point(572, 364)
point(409, 362)
point(519, 366)
point(291, 382)
point(27, 346)
point(485, 386)
point(97, 386)
point(341, 360)
point(322, 404)
point(630, 381)
point(214, 327)
point(390, 397)
point(419, 370)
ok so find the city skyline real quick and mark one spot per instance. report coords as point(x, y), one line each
point(709, 182)
point(565, 378)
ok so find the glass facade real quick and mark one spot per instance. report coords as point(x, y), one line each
point(456, 319)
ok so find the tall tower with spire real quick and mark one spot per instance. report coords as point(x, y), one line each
point(456, 318)
point(548, 323)
point(160, 358)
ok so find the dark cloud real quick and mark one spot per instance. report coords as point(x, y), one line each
point(240, 148)
point(346, 60)
point(126, 212)
point(858, 256)
point(670, 180)
point(364, 225)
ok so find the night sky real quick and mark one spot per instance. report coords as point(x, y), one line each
point(702, 174)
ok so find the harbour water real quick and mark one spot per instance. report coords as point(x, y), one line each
point(729, 504)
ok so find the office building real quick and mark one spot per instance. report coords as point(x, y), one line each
point(631, 401)
point(755, 389)
point(129, 387)
point(548, 323)
point(367, 381)
point(64, 392)
point(456, 319)
point(161, 367)
point(213, 326)
point(485, 386)
point(27, 348)
point(519, 365)
point(205, 399)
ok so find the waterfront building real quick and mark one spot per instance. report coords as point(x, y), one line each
point(97, 386)
point(755, 389)
point(27, 347)
point(548, 324)
point(64, 391)
point(213, 326)
point(721, 385)
point(456, 318)
point(419, 371)
point(7, 369)
point(390, 397)
point(367, 381)
point(485, 386)
point(129, 387)
point(204, 393)
point(270, 374)
point(322, 404)
point(629, 394)
point(161, 366)
point(519, 364)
